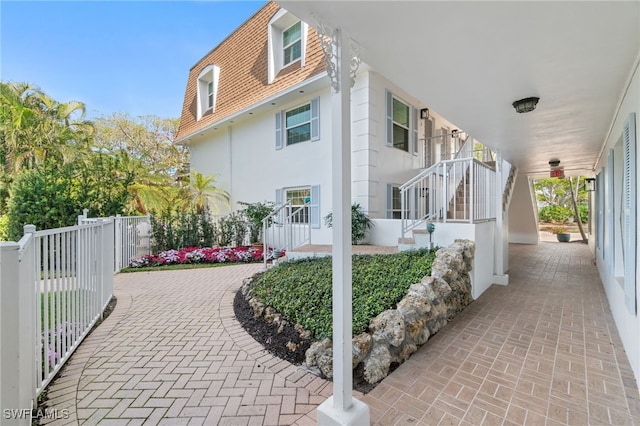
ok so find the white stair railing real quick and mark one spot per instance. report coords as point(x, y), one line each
point(459, 190)
point(286, 228)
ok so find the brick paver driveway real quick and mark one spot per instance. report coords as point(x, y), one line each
point(172, 353)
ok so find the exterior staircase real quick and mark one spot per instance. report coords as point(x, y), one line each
point(460, 190)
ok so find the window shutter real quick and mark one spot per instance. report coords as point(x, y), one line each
point(314, 206)
point(389, 121)
point(414, 118)
point(608, 220)
point(279, 200)
point(428, 145)
point(629, 194)
point(389, 201)
point(315, 119)
point(279, 130)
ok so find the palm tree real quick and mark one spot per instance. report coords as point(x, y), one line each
point(203, 190)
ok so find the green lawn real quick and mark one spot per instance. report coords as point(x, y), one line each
point(301, 290)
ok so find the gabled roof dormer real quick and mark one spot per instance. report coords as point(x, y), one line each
point(207, 89)
point(287, 42)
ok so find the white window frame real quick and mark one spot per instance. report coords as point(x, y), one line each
point(207, 89)
point(396, 123)
point(307, 211)
point(304, 123)
point(280, 22)
point(290, 45)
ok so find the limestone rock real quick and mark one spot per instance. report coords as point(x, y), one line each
point(257, 307)
point(325, 363)
point(406, 352)
point(361, 347)
point(388, 327)
point(376, 366)
point(316, 350)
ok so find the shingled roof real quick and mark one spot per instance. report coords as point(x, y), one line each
point(243, 61)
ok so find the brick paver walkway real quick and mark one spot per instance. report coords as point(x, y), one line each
point(172, 353)
point(543, 350)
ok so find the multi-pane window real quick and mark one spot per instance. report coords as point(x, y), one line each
point(292, 43)
point(396, 203)
point(298, 124)
point(210, 94)
point(400, 125)
point(299, 198)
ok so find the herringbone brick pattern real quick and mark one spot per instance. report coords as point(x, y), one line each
point(543, 350)
point(172, 353)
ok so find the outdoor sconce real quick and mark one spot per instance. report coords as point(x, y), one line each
point(590, 184)
point(454, 133)
point(424, 113)
point(525, 105)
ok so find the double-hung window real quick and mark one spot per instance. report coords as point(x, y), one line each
point(298, 124)
point(299, 209)
point(400, 125)
point(292, 43)
point(207, 86)
point(210, 95)
point(305, 204)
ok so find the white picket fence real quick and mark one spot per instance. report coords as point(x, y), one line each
point(54, 286)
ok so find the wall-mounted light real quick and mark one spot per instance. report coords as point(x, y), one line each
point(526, 105)
point(590, 184)
point(454, 133)
point(424, 113)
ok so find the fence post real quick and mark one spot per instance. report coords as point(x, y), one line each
point(117, 224)
point(9, 333)
point(28, 334)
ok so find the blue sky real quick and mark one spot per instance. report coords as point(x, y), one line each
point(115, 56)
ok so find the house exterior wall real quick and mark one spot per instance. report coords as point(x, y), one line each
point(523, 226)
point(608, 253)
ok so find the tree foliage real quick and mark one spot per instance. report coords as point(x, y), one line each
point(554, 199)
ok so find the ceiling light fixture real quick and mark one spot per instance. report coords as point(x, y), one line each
point(525, 105)
point(554, 162)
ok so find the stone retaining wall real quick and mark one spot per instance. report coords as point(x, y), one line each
point(397, 333)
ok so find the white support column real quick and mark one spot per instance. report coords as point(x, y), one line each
point(500, 242)
point(341, 408)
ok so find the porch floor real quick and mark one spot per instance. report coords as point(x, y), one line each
point(542, 350)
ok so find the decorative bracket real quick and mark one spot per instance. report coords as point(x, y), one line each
point(328, 42)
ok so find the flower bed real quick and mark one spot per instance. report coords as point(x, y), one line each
point(194, 255)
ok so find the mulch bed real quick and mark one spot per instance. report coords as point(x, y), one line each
point(276, 343)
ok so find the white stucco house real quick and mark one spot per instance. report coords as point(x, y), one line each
point(261, 119)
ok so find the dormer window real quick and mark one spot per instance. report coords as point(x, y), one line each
point(292, 43)
point(287, 42)
point(207, 88)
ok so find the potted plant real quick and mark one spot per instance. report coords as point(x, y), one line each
point(561, 233)
point(255, 213)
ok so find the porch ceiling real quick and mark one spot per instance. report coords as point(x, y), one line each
point(471, 60)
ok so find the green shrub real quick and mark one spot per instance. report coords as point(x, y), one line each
point(360, 223)
point(4, 228)
point(583, 209)
point(232, 229)
point(301, 290)
point(555, 214)
point(185, 229)
point(44, 197)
